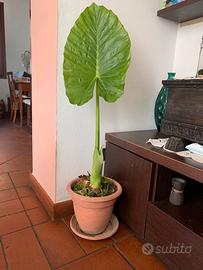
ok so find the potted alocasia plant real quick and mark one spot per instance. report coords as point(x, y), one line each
point(96, 59)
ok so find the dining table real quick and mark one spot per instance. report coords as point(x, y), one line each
point(24, 87)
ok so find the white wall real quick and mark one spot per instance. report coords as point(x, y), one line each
point(153, 47)
point(187, 48)
point(17, 31)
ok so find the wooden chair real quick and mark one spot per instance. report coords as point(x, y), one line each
point(14, 99)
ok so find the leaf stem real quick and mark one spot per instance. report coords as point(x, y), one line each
point(96, 173)
point(97, 131)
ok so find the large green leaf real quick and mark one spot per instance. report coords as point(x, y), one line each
point(97, 48)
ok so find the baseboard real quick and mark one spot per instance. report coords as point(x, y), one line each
point(55, 210)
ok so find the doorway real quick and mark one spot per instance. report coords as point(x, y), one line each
point(15, 59)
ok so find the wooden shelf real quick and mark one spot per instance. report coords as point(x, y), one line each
point(190, 214)
point(182, 12)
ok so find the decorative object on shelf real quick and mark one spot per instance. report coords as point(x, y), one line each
point(158, 142)
point(163, 4)
point(199, 73)
point(172, 2)
point(161, 102)
point(177, 192)
point(175, 144)
point(195, 148)
point(184, 111)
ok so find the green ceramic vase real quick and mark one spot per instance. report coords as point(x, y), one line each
point(161, 102)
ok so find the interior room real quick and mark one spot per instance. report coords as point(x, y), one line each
point(101, 134)
point(15, 59)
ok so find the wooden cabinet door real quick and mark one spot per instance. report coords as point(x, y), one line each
point(134, 174)
point(166, 234)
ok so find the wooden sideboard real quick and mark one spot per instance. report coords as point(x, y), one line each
point(145, 173)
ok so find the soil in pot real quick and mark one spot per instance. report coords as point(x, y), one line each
point(82, 187)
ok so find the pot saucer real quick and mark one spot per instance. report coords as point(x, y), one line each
point(111, 229)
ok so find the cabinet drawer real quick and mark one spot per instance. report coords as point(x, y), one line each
point(163, 230)
point(134, 174)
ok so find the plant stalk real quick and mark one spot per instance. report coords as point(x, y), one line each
point(96, 173)
point(97, 131)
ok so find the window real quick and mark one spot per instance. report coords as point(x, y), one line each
point(2, 44)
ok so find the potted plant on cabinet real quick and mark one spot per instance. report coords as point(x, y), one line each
point(96, 57)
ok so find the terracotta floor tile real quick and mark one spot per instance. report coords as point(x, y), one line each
point(8, 153)
point(87, 245)
point(20, 178)
point(24, 191)
point(22, 162)
point(58, 243)
point(13, 223)
point(107, 259)
point(132, 249)
point(30, 202)
point(23, 251)
point(90, 246)
point(37, 215)
point(5, 168)
point(10, 207)
point(2, 260)
point(8, 195)
point(122, 232)
point(5, 182)
point(15, 144)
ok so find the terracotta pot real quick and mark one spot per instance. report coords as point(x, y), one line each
point(93, 213)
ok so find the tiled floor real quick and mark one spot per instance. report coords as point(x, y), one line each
point(31, 241)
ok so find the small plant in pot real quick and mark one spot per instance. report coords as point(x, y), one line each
point(96, 60)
